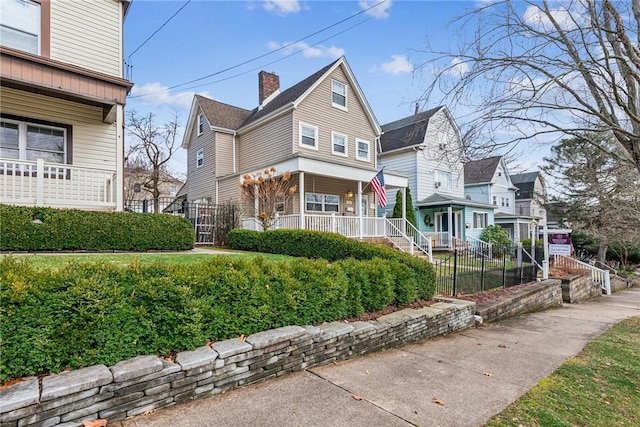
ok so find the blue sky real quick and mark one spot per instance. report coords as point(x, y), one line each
point(207, 37)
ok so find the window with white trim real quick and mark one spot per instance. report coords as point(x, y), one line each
point(495, 201)
point(200, 158)
point(338, 144)
point(20, 25)
point(322, 202)
point(338, 94)
point(506, 201)
point(363, 150)
point(200, 124)
point(443, 180)
point(32, 141)
point(502, 201)
point(308, 136)
point(480, 219)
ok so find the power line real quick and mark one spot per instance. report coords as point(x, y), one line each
point(159, 28)
point(268, 53)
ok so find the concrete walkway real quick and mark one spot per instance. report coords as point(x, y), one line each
point(475, 374)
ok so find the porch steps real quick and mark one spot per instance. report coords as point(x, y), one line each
point(397, 244)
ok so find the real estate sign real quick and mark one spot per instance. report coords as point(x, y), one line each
point(560, 244)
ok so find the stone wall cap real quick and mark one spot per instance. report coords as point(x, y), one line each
point(336, 329)
point(275, 336)
point(195, 358)
point(59, 385)
point(228, 348)
point(394, 318)
point(19, 395)
point(360, 327)
point(136, 367)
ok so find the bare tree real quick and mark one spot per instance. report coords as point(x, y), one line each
point(151, 151)
point(266, 194)
point(542, 71)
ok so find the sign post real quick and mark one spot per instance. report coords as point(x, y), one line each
point(556, 242)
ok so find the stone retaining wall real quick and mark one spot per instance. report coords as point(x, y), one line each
point(145, 383)
point(543, 295)
point(620, 283)
point(577, 288)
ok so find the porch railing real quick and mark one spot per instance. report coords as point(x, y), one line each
point(597, 275)
point(398, 237)
point(480, 246)
point(51, 184)
point(422, 241)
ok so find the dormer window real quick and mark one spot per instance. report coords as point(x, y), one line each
point(20, 25)
point(338, 94)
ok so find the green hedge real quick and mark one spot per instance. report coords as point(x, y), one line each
point(335, 247)
point(100, 313)
point(70, 229)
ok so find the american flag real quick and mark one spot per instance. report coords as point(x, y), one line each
point(377, 183)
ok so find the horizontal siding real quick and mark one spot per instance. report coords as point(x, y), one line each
point(327, 185)
point(94, 142)
point(224, 154)
point(87, 34)
point(229, 190)
point(316, 110)
point(201, 179)
point(404, 163)
point(265, 145)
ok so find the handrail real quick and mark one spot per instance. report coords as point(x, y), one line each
point(598, 275)
point(399, 233)
point(421, 241)
point(484, 247)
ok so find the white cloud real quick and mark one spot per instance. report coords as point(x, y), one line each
point(457, 68)
point(158, 95)
point(318, 51)
point(399, 64)
point(282, 7)
point(535, 16)
point(380, 12)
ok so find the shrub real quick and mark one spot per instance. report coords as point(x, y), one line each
point(71, 229)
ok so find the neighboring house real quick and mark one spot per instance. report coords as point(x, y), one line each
point(63, 94)
point(321, 130)
point(488, 181)
point(138, 190)
point(531, 196)
point(428, 148)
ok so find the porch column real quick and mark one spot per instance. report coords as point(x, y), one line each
point(119, 184)
point(404, 210)
point(359, 209)
point(450, 227)
point(301, 198)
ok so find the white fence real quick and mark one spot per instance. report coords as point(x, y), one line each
point(52, 184)
point(599, 276)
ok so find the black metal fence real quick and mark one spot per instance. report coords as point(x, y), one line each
point(211, 222)
point(466, 270)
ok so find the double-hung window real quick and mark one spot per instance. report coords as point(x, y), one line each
point(22, 140)
point(200, 158)
point(200, 124)
point(322, 202)
point(308, 136)
point(479, 219)
point(363, 150)
point(20, 25)
point(338, 144)
point(338, 94)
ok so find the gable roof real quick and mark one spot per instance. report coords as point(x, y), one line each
point(481, 171)
point(222, 115)
point(406, 132)
point(525, 183)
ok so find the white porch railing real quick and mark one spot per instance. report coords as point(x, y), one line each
point(423, 241)
point(599, 276)
point(480, 246)
point(38, 183)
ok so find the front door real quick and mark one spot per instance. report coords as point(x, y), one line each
point(442, 223)
point(364, 205)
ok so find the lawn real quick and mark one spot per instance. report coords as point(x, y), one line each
point(43, 261)
point(599, 387)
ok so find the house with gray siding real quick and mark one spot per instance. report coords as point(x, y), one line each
point(531, 196)
point(321, 130)
point(427, 147)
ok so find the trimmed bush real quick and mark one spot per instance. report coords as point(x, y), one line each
point(71, 229)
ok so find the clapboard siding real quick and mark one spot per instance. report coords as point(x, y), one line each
point(224, 154)
point(229, 190)
point(405, 163)
point(265, 145)
point(201, 179)
point(338, 187)
point(316, 110)
point(94, 142)
point(88, 34)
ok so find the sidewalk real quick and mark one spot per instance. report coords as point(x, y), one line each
point(475, 373)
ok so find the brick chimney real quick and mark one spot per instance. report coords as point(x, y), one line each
point(267, 84)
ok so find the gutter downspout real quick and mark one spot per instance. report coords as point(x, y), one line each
point(233, 151)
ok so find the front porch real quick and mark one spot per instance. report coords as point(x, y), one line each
point(39, 183)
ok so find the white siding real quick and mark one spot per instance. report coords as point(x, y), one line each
point(87, 34)
point(479, 193)
point(224, 154)
point(404, 163)
point(94, 142)
point(201, 179)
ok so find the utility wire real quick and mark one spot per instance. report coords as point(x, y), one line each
point(159, 28)
point(266, 54)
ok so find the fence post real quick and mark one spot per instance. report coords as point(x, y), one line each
point(519, 256)
point(482, 274)
point(504, 270)
point(455, 272)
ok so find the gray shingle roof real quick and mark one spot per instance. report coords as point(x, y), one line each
point(479, 171)
point(222, 115)
point(406, 132)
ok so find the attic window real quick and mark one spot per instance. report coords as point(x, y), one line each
point(338, 94)
point(200, 124)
